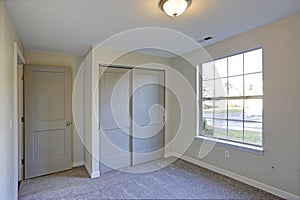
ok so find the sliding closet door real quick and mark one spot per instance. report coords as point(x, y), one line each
point(148, 115)
point(115, 87)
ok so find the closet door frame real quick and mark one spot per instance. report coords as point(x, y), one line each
point(131, 106)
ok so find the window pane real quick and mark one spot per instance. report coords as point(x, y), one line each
point(235, 85)
point(253, 84)
point(207, 127)
point(253, 110)
point(253, 61)
point(208, 110)
point(235, 65)
point(220, 130)
point(208, 89)
point(221, 68)
point(235, 131)
point(235, 109)
point(227, 83)
point(221, 109)
point(221, 87)
point(253, 133)
point(208, 70)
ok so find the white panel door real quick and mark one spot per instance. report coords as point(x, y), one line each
point(115, 122)
point(148, 115)
point(47, 120)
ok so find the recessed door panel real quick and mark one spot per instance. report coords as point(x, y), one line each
point(46, 105)
point(115, 86)
point(44, 148)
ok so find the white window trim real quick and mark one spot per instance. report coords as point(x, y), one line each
point(223, 142)
point(233, 145)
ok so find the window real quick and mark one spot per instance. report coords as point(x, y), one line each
point(231, 98)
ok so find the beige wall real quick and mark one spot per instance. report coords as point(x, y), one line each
point(8, 36)
point(64, 60)
point(50, 59)
point(281, 44)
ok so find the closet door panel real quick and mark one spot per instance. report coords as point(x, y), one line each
point(115, 87)
point(115, 123)
point(148, 115)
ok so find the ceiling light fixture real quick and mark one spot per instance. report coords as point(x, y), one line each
point(174, 8)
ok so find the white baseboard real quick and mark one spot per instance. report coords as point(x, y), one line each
point(169, 154)
point(89, 170)
point(243, 179)
point(77, 164)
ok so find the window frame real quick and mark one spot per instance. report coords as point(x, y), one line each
point(200, 99)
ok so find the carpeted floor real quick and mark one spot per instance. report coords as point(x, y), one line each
point(180, 180)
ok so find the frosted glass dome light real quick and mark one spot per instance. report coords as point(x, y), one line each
point(174, 8)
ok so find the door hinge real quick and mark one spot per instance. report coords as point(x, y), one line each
point(98, 126)
point(23, 162)
point(22, 119)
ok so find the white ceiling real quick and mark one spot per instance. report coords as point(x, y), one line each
point(72, 26)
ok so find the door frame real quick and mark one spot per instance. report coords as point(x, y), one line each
point(18, 59)
point(101, 65)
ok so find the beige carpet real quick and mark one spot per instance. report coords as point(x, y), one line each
point(180, 180)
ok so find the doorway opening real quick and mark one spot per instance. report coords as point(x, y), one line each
point(18, 117)
point(132, 122)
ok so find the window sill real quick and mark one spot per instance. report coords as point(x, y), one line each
point(233, 145)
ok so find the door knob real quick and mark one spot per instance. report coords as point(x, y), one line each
point(68, 123)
